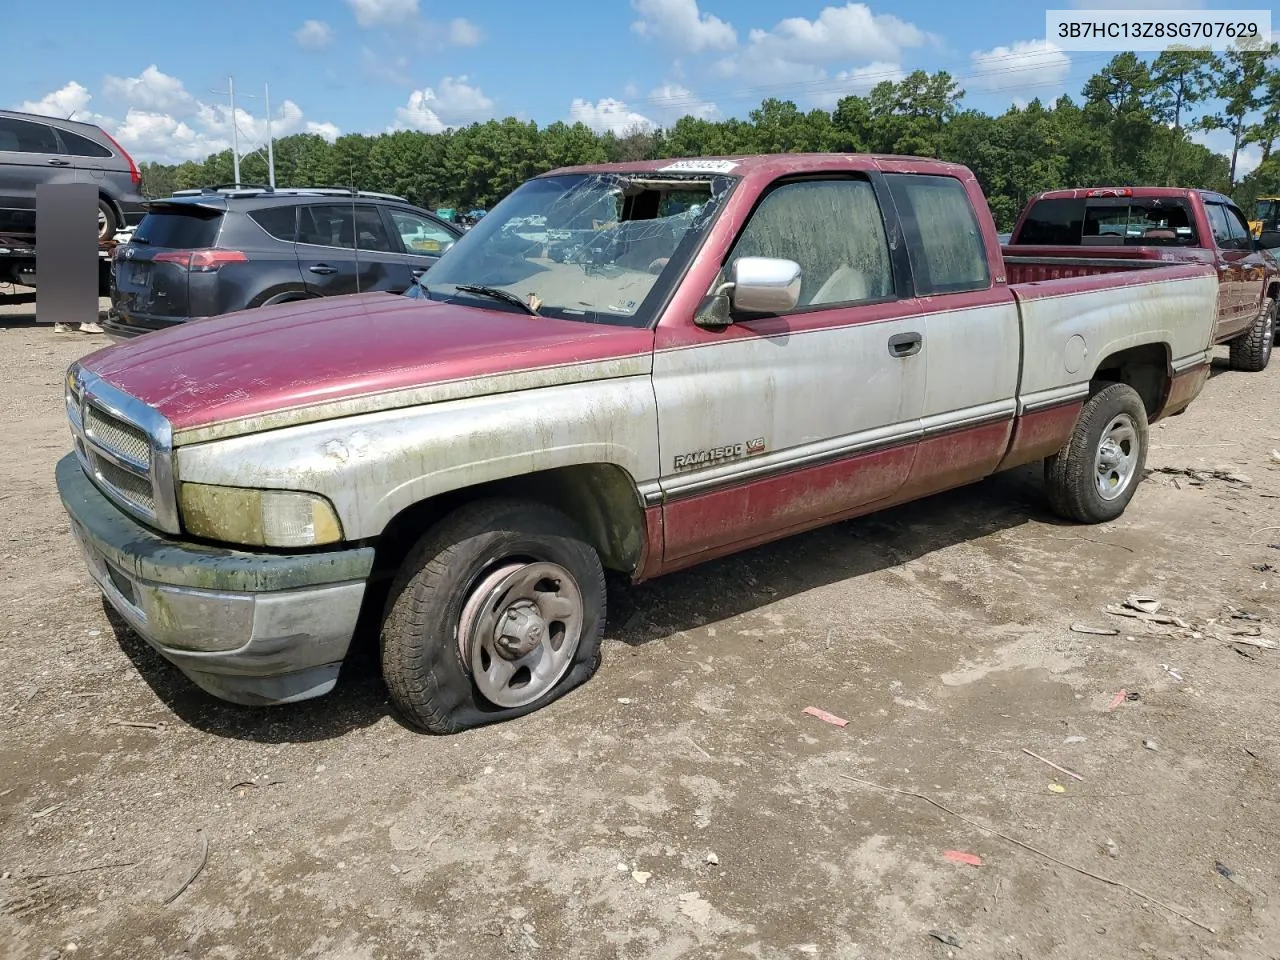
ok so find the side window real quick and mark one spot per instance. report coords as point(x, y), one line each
point(341, 224)
point(280, 222)
point(78, 146)
point(834, 230)
point(1241, 238)
point(23, 136)
point(1219, 224)
point(944, 240)
point(420, 235)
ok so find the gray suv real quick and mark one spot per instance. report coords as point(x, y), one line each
point(36, 150)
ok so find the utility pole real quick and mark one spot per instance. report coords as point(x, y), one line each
point(271, 154)
point(235, 139)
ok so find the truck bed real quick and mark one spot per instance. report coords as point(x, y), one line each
point(1032, 264)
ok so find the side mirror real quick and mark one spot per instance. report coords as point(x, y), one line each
point(1269, 240)
point(764, 285)
point(755, 285)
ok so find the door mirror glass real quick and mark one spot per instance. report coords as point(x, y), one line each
point(1269, 240)
point(764, 285)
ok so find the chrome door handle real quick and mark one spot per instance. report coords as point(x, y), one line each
point(323, 269)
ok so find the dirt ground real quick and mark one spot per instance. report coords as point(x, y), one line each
point(681, 805)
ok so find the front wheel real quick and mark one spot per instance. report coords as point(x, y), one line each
point(1094, 476)
point(1251, 351)
point(497, 611)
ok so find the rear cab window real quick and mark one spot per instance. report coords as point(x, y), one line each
point(1109, 222)
point(945, 243)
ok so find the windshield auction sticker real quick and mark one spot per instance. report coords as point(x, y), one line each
point(1155, 31)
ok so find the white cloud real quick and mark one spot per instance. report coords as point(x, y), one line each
point(608, 114)
point(463, 33)
point(1220, 141)
point(314, 35)
point(682, 26)
point(165, 123)
point(453, 103)
point(851, 32)
point(327, 130)
point(383, 13)
point(671, 101)
point(150, 90)
point(857, 82)
point(63, 102)
point(1025, 64)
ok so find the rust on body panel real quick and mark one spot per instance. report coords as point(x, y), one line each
point(1040, 434)
point(1183, 388)
point(959, 457)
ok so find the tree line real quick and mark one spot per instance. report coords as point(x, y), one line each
point(1131, 125)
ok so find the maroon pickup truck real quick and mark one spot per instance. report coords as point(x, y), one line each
point(1122, 228)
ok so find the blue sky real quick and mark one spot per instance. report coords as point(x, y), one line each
point(155, 73)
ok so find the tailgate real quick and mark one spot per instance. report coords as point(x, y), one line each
point(150, 273)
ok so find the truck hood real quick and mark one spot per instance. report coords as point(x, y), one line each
point(322, 354)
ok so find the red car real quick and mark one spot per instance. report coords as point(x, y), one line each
point(1060, 234)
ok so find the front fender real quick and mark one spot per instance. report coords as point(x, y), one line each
point(373, 466)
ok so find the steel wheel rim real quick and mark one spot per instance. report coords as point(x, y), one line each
point(102, 224)
point(1116, 459)
point(519, 631)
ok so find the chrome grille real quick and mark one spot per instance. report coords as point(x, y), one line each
point(125, 448)
point(115, 436)
point(124, 483)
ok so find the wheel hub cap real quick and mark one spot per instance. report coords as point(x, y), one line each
point(1117, 458)
point(519, 631)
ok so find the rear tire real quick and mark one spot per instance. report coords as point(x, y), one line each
point(1251, 351)
point(497, 611)
point(1094, 476)
point(108, 221)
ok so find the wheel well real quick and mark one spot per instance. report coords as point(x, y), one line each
point(1273, 291)
point(600, 497)
point(1145, 368)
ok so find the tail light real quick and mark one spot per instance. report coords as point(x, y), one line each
point(134, 173)
point(200, 261)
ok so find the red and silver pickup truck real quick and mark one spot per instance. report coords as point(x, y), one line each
point(636, 368)
point(1084, 232)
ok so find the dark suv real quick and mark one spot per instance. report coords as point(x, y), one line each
point(203, 253)
point(36, 150)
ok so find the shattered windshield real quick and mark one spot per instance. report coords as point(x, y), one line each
point(604, 248)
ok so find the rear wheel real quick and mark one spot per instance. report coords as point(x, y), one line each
point(496, 612)
point(1251, 351)
point(1094, 476)
point(108, 221)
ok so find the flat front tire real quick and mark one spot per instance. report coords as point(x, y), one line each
point(497, 611)
point(1094, 476)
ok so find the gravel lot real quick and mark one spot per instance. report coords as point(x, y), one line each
point(681, 805)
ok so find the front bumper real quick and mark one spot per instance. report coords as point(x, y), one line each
point(253, 628)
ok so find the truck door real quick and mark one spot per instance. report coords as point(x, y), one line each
point(778, 423)
point(1253, 273)
point(1231, 269)
point(972, 330)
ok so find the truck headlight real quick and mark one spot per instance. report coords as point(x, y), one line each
point(262, 518)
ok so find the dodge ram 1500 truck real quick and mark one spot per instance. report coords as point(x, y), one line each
point(1083, 232)
point(633, 367)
